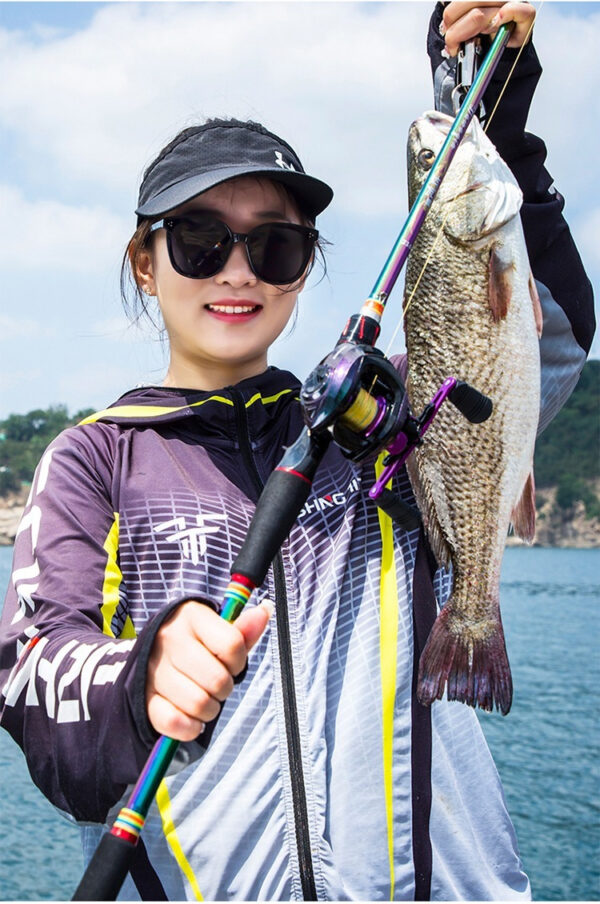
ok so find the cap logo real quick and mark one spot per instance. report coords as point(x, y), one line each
point(281, 162)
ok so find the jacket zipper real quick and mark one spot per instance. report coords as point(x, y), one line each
point(292, 728)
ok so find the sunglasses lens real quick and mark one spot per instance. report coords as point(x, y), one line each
point(279, 252)
point(199, 247)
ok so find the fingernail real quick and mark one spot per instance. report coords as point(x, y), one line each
point(445, 53)
point(202, 729)
point(269, 606)
point(495, 21)
point(442, 28)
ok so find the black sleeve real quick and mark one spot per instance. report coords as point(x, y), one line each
point(564, 289)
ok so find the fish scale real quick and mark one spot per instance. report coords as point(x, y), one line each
point(468, 478)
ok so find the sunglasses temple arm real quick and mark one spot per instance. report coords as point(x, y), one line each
point(280, 503)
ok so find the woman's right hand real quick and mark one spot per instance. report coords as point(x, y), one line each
point(195, 657)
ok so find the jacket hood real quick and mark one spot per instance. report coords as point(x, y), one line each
point(148, 405)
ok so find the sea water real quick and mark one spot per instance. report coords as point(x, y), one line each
point(546, 749)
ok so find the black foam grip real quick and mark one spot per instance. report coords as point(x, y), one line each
point(106, 871)
point(278, 507)
point(471, 403)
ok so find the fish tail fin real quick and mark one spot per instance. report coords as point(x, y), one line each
point(475, 670)
point(523, 514)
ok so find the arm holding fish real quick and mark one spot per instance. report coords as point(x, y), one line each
point(564, 290)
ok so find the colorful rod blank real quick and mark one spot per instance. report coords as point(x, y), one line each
point(375, 303)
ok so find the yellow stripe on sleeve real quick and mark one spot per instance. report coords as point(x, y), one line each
point(163, 801)
point(388, 647)
point(112, 580)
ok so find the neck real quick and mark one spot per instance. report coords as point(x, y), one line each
point(184, 375)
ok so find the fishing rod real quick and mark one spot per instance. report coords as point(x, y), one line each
point(356, 398)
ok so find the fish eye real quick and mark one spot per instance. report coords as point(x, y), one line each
point(425, 158)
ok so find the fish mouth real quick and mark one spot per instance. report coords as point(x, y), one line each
point(475, 186)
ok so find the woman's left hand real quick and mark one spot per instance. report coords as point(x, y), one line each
point(464, 19)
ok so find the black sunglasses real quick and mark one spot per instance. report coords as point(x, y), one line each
point(199, 245)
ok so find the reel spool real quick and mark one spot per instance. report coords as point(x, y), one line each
point(359, 396)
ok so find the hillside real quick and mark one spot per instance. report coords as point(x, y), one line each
point(567, 469)
point(567, 466)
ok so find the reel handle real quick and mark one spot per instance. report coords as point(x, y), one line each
point(471, 403)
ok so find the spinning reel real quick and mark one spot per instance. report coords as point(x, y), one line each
point(358, 396)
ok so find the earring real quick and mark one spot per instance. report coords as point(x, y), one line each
point(148, 291)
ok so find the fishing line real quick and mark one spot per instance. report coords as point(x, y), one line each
point(441, 229)
point(517, 58)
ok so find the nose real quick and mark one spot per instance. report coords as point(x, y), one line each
point(237, 271)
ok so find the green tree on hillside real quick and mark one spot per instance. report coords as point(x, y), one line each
point(567, 454)
point(23, 439)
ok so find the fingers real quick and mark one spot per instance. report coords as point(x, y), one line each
point(194, 659)
point(168, 720)
point(522, 14)
point(464, 19)
point(223, 639)
point(252, 622)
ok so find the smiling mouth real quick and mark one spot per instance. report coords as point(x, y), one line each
point(233, 309)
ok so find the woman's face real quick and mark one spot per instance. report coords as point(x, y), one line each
point(220, 328)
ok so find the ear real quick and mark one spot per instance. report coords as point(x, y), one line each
point(142, 268)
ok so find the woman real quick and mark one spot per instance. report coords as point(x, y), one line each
point(320, 776)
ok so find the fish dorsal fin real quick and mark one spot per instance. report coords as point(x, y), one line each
point(523, 514)
point(500, 284)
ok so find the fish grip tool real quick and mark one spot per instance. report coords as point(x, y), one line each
point(354, 397)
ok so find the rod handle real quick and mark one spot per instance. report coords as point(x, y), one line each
point(280, 503)
point(106, 871)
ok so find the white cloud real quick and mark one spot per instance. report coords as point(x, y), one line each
point(93, 386)
point(587, 233)
point(45, 234)
point(339, 80)
point(12, 379)
point(120, 329)
point(83, 111)
point(12, 328)
point(564, 110)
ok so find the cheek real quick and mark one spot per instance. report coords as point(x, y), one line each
point(283, 308)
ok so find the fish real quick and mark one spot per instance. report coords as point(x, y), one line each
point(474, 314)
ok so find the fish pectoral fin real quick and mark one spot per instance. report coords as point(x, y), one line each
point(537, 305)
point(523, 514)
point(500, 285)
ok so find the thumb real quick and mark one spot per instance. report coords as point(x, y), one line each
point(253, 621)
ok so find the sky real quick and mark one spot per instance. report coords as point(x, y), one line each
point(92, 91)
